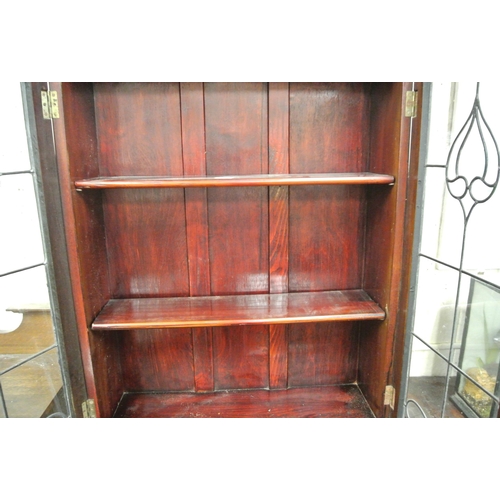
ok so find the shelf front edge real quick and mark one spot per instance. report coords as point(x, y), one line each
point(193, 312)
point(131, 182)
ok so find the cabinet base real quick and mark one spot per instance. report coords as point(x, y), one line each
point(344, 401)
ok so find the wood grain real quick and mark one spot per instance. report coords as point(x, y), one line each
point(159, 360)
point(344, 401)
point(193, 153)
point(140, 182)
point(227, 233)
point(257, 309)
point(322, 354)
point(279, 136)
point(236, 135)
point(385, 236)
point(241, 357)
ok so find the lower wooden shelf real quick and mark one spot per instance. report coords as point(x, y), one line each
point(342, 401)
point(191, 312)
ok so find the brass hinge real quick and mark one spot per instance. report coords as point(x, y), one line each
point(50, 104)
point(411, 103)
point(390, 396)
point(88, 408)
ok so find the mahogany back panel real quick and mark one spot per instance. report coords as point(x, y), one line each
point(238, 240)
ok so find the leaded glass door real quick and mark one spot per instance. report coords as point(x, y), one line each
point(453, 332)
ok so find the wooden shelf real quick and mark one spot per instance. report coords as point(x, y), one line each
point(344, 401)
point(190, 312)
point(233, 180)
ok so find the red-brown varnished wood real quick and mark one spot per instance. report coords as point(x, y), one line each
point(236, 142)
point(75, 144)
point(329, 127)
point(191, 181)
point(159, 360)
point(203, 359)
point(107, 368)
point(236, 135)
point(278, 356)
point(407, 250)
point(236, 236)
point(279, 118)
point(139, 128)
point(138, 268)
point(322, 353)
point(193, 150)
point(343, 401)
point(140, 124)
point(328, 132)
point(241, 357)
point(257, 309)
point(385, 228)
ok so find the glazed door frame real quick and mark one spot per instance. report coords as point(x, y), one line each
point(44, 162)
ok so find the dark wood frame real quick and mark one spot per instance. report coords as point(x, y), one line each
point(101, 129)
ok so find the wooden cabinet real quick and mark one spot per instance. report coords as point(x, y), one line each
point(236, 249)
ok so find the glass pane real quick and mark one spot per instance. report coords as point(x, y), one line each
point(466, 397)
point(19, 225)
point(14, 156)
point(23, 291)
point(427, 383)
point(481, 255)
point(480, 351)
point(3, 413)
point(34, 334)
point(31, 390)
point(435, 303)
point(434, 190)
point(442, 99)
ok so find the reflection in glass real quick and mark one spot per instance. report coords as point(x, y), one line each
point(480, 353)
point(435, 303)
point(34, 389)
point(427, 384)
point(19, 225)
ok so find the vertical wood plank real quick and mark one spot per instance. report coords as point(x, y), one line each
point(278, 195)
point(236, 126)
point(193, 151)
point(193, 146)
point(157, 360)
point(322, 354)
point(328, 133)
point(75, 140)
point(278, 226)
point(139, 128)
point(237, 144)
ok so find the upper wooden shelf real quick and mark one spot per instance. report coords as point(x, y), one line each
point(233, 180)
point(190, 312)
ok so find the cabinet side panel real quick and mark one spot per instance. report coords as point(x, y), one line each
point(108, 371)
point(385, 235)
point(328, 133)
point(77, 155)
point(75, 142)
